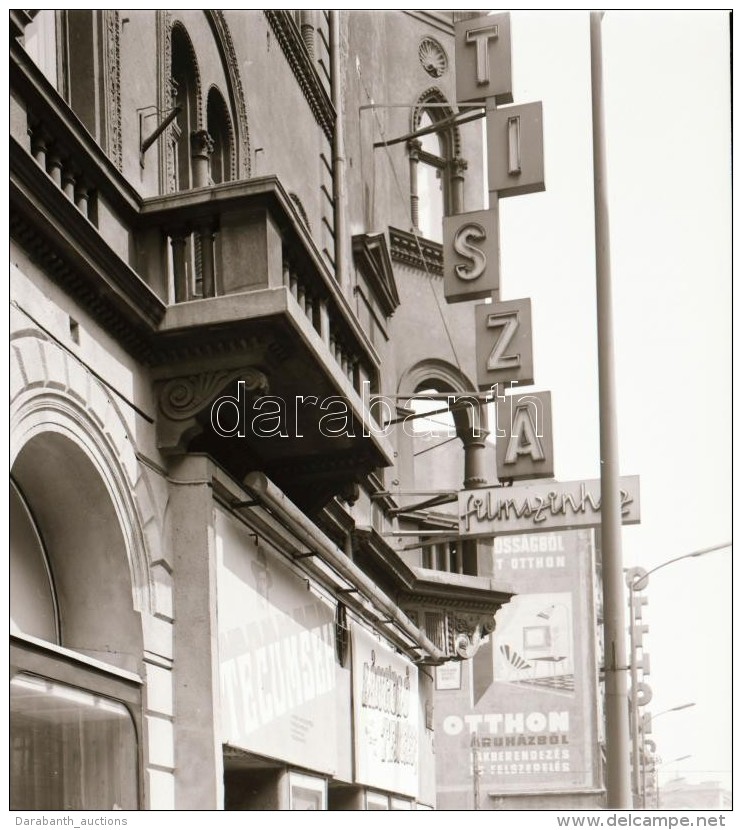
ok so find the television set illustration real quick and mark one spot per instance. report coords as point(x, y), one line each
point(533, 643)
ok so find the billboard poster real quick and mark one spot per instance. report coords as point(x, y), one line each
point(385, 716)
point(525, 718)
point(276, 655)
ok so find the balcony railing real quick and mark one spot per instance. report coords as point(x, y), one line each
point(243, 237)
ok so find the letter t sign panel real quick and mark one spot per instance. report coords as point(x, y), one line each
point(483, 59)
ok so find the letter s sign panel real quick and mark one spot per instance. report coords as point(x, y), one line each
point(471, 256)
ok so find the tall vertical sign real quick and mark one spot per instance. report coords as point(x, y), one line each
point(471, 248)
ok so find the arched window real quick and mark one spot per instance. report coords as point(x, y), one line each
point(431, 182)
point(185, 83)
point(34, 609)
point(219, 128)
point(73, 727)
point(436, 171)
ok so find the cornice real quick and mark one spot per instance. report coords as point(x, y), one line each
point(435, 589)
point(301, 65)
point(64, 272)
point(45, 222)
point(416, 251)
point(442, 21)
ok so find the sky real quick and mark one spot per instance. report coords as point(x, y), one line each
point(668, 144)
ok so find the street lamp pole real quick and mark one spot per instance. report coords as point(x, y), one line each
point(617, 738)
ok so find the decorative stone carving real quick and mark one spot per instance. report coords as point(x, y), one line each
point(166, 94)
point(181, 399)
point(112, 58)
point(432, 57)
point(468, 631)
point(458, 167)
point(422, 254)
point(301, 65)
point(433, 95)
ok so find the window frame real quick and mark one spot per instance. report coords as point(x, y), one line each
point(434, 106)
point(31, 656)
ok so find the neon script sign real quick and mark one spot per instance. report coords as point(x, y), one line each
point(493, 511)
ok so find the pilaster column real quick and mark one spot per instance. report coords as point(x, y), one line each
point(414, 147)
point(458, 167)
point(180, 274)
point(202, 146)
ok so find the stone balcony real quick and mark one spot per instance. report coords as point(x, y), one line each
point(206, 288)
point(249, 293)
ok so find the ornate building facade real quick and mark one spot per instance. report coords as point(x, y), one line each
point(233, 563)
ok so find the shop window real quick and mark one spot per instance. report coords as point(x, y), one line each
point(219, 127)
point(306, 792)
point(69, 749)
point(377, 801)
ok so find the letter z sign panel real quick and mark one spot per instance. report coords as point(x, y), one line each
point(471, 256)
point(503, 343)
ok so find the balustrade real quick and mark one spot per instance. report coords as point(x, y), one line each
point(60, 166)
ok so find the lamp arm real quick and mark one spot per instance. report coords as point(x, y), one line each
point(677, 559)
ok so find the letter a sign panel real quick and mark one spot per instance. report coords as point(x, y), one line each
point(524, 443)
point(471, 256)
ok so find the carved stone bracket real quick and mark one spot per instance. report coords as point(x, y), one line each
point(467, 632)
point(181, 399)
point(202, 144)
